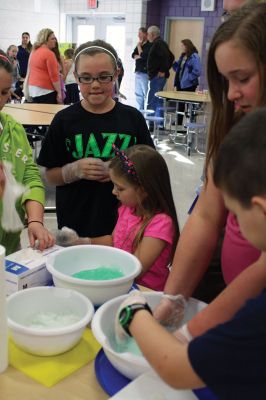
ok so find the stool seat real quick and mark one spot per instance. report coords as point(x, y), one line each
point(147, 112)
point(153, 118)
point(195, 125)
point(166, 109)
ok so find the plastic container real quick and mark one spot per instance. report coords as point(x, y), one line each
point(127, 363)
point(74, 259)
point(25, 305)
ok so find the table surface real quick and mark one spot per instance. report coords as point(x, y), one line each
point(33, 114)
point(46, 108)
point(81, 385)
point(184, 96)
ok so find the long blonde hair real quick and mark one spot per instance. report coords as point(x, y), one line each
point(42, 37)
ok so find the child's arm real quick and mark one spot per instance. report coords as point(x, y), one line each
point(68, 237)
point(248, 284)
point(36, 230)
point(148, 251)
point(106, 240)
point(164, 352)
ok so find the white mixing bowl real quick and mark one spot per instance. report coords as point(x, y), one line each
point(68, 261)
point(129, 364)
point(68, 313)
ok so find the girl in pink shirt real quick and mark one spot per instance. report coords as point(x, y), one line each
point(147, 224)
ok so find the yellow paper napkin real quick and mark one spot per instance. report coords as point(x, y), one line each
point(52, 369)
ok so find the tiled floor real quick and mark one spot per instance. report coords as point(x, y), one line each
point(185, 173)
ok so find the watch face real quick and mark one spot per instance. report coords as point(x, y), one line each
point(125, 315)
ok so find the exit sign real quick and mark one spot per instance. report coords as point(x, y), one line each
point(92, 3)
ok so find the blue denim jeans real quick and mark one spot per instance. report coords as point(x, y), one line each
point(141, 89)
point(156, 84)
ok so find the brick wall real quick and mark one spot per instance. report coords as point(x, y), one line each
point(158, 10)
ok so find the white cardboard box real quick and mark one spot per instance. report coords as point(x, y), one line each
point(27, 268)
point(149, 386)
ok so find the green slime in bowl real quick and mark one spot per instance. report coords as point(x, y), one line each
point(99, 274)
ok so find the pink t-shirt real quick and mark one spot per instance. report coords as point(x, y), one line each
point(237, 253)
point(161, 226)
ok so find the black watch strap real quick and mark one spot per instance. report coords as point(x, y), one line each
point(127, 313)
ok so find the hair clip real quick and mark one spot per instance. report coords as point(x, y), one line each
point(128, 165)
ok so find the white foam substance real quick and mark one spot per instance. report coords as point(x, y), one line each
point(49, 319)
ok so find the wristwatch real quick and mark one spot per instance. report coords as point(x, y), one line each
point(127, 313)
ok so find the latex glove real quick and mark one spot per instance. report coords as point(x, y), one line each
point(183, 334)
point(170, 310)
point(134, 297)
point(68, 237)
point(86, 168)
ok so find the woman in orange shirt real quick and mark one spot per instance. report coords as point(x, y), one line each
point(44, 83)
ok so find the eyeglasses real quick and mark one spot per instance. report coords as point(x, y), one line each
point(101, 79)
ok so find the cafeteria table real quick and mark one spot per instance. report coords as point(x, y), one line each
point(33, 114)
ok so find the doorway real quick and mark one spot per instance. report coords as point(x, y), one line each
point(178, 29)
point(108, 28)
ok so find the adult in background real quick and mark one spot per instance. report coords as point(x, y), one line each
point(187, 69)
point(140, 55)
point(160, 60)
point(44, 83)
point(24, 50)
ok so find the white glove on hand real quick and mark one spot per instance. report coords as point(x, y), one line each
point(183, 334)
point(86, 168)
point(170, 311)
point(71, 172)
point(135, 297)
point(66, 237)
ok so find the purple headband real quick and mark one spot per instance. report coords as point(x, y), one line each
point(128, 165)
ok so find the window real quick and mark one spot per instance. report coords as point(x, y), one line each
point(85, 33)
point(115, 35)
